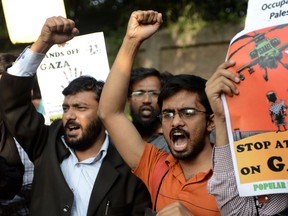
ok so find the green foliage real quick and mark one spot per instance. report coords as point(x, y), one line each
point(111, 16)
point(196, 14)
point(188, 20)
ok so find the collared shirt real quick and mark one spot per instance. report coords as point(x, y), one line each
point(174, 187)
point(80, 176)
point(28, 165)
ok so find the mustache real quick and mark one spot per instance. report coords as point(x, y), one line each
point(71, 123)
point(146, 107)
point(178, 130)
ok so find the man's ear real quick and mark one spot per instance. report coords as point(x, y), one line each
point(210, 123)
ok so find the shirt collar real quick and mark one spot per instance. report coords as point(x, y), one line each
point(99, 157)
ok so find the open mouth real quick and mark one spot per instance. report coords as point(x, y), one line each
point(179, 138)
point(146, 110)
point(72, 129)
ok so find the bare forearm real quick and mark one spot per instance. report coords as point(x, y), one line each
point(141, 25)
point(221, 132)
point(119, 78)
point(112, 105)
point(40, 47)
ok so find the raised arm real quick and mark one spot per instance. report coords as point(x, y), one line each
point(142, 25)
point(18, 111)
point(221, 82)
point(222, 184)
point(56, 30)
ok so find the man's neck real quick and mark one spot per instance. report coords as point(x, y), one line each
point(145, 128)
point(93, 150)
point(201, 163)
point(147, 134)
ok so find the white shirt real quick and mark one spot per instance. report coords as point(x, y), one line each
point(26, 65)
point(80, 176)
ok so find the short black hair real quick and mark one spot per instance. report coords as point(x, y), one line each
point(142, 72)
point(164, 77)
point(187, 82)
point(84, 83)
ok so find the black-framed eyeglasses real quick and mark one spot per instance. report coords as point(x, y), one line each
point(184, 113)
point(140, 94)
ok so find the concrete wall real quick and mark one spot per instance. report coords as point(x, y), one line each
point(195, 52)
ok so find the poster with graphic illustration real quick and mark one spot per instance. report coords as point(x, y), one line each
point(83, 55)
point(257, 118)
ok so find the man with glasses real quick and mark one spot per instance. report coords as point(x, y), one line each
point(77, 168)
point(187, 120)
point(144, 89)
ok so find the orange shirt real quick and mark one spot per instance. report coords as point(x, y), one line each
point(193, 193)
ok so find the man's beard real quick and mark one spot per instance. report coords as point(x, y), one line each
point(89, 137)
point(147, 127)
point(198, 146)
point(189, 155)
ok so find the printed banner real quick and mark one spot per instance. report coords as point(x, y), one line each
point(264, 13)
point(257, 117)
point(83, 55)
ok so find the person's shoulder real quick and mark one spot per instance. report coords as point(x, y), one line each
point(114, 156)
point(56, 125)
point(56, 121)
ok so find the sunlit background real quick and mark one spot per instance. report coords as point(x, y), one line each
point(24, 19)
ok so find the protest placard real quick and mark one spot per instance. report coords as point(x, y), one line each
point(83, 55)
point(257, 117)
